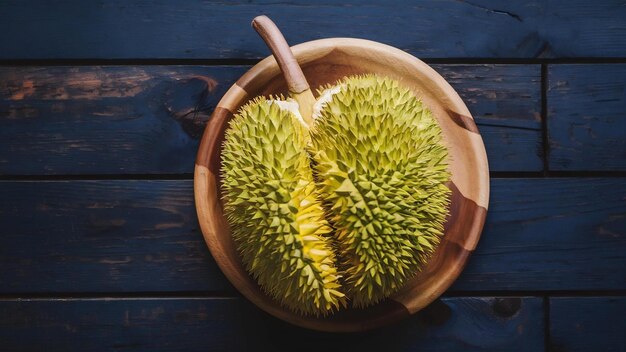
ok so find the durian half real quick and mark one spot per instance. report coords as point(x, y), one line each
point(273, 207)
point(382, 171)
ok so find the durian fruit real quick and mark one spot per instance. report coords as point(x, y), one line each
point(271, 202)
point(382, 172)
point(343, 195)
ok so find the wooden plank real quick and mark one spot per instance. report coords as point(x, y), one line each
point(470, 324)
point(551, 234)
point(587, 324)
point(106, 119)
point(147, 119)
point(505, 101)
point(200, 29)
point(103, 236)
point(586, 122)
point(143, 236)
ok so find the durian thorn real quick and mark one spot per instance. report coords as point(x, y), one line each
point(296, 82)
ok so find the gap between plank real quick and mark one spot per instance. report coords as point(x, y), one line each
point(252, 61)
point(189, 176)
point(544, 119)
point(232, 295)
point(546, 323)
point(536, 293)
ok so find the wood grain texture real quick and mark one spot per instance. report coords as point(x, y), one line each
point(146, 119)
point(201, 324)
point(106, 119)
point(199, 29)
point(551, 234)
point(505, 101)
point(586, 117)
point(587, 324)
point(143, 236)
point(103, 236)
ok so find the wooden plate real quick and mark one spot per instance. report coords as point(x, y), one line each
point(325, 61)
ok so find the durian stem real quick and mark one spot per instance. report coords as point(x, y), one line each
point(296, 82)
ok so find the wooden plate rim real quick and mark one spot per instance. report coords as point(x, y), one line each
point(468, 197)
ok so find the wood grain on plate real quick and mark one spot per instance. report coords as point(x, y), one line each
point(220, 30)
point(143, 236)
point(201, 324)
point(587, 117)
point(148, 119)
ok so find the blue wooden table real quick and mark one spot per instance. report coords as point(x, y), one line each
point(102, 105)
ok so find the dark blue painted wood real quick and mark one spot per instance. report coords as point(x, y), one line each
point(468, 324)
point(106, 120)
point(551, 234)
point(142, 236)
point(107, 236)
point(200, 29)
point(587, 117)
point(147, 119)
point(94, 238)
point(505, 101)
point(587, 324)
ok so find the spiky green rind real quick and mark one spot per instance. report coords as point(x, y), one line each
point(382, 169)
point(272, 205)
